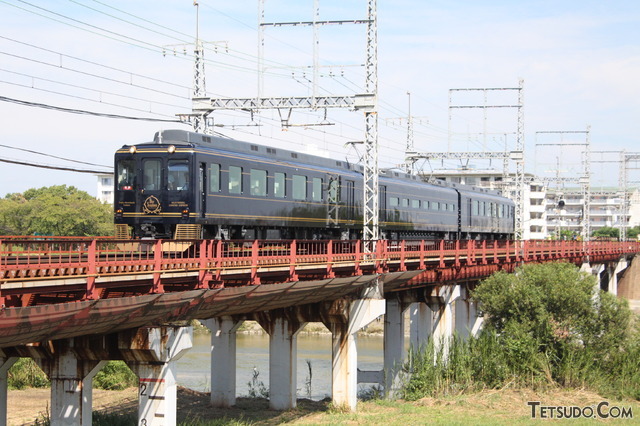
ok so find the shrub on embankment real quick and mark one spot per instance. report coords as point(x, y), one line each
point(545, 326)
point(115, 375)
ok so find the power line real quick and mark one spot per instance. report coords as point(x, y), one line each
point(53, 156)
point(130, 73)
point(47, 166)
point(80, 111)
point(33, 77)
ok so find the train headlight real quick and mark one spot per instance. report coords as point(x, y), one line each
point(185, 213)
point(171, 149)
point(132, 150)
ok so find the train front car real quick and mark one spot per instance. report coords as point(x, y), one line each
point(154, 196)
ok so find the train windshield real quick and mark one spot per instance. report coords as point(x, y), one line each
point(126, 172)
point(178, 175)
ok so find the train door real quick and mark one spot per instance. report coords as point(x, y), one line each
point(382, 203)
point(350, 200)
point(333, 201)
point(202, 187)
point(150, 200)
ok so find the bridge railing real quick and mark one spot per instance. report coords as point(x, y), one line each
point(36, 259)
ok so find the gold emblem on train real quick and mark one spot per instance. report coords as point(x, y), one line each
point(151, 205)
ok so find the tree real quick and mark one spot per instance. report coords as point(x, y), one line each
point(632, 233)
point(553, 310)
point(56, 210)
point(606, 232)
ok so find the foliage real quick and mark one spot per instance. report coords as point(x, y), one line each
point(25, 373)
point(113, 419)
point(606, 232)
point(545, 326)
point(115, 375)
point(566, 234)
point(632, 233)
point(257, 389)
point(550, 308)
point(55, 210)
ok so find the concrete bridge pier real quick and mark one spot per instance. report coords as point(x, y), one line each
point(467, 321)
point(283, 332)
point(435, 318)
point(6, 361)
point(344, 318)
point(152, 352)
point(70, 366)
point(394, 351)
point(223, 360)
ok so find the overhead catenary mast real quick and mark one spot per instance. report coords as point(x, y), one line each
point(366, 102)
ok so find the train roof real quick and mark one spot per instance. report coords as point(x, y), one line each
point(200, 140)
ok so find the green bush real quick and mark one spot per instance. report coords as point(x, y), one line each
point(545, 325)
point(25, 373)
point(115, 375)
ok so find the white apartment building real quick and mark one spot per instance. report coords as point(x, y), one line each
point(105, 187)
point(550, 210)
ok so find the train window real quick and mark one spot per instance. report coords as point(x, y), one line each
point(235, 180)
point(425, 205)
point(278, 185)
point(299, 187)
point(435, 205)
point(214, 177)
point(475, 208)
point(178, 175)
point(394, 201)
point(151, 175)
point(126, 172)
point(316, 189)
point(443, 207)
point(415, 204)
point(501, 210)
point(258, 182)
point(494, 210)
point(405, 202)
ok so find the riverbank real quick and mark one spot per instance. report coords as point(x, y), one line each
point(488, 407)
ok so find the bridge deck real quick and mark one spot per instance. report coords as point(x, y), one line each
point(61, 288)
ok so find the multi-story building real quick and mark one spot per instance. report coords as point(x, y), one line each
point(548, 210)
point(105, 187)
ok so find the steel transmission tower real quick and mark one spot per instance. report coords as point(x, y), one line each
point(366, 102)
point(517, 155)
point(199, 84)
point(370, 219)
point(584, 180)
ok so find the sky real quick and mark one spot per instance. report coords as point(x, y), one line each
point(579, 62)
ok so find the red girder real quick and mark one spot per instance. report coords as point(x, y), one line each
point(63, 270)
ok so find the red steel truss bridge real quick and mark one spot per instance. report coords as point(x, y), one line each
point(64, 287)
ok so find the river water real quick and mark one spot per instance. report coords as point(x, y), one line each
point(194, 368)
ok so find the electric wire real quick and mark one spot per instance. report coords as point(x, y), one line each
point(34, 78)
point(82, 112)
point(50, 167)
point(53, 156)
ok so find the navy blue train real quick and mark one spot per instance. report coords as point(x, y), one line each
point(189, 185)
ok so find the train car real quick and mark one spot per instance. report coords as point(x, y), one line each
point(189, 185)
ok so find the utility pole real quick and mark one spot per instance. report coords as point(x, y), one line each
point(197, 119)
point(199, 82)
point(516, 155)
point(366, 102)
point(584, 180)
